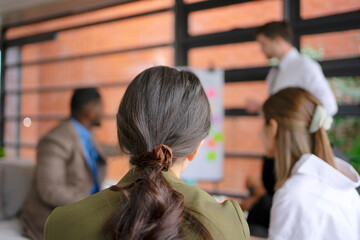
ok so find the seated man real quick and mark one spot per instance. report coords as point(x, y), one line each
point(70, 162)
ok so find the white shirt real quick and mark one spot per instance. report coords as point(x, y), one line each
point(295, 70)
point(317, 202)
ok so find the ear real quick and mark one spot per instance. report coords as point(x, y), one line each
point(273, 127)
point(89, 109)
point(191, 156)
point(86, 111)
point(279, 39)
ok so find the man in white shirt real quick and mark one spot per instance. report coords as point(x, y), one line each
point(294, 70)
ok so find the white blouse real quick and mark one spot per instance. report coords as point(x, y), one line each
point(317, 202)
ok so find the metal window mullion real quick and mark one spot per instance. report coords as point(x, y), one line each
point(2, 88)
point(291, 10)
point(181, 33)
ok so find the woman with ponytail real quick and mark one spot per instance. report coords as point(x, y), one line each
point(316, 196)
point(162, 121)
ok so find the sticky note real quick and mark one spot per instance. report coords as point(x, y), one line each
point(211, 143)
point(211, 156)
point(211, 92)
point(219, 137)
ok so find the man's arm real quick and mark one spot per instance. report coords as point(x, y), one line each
point(316, 83)
point(259, 191)
point(253, 106)
point(51, 174)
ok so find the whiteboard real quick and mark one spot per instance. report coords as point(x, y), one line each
point(208, 164)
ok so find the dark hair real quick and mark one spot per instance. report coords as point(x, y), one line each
point(81, 97)
point(163, 116)
point(275, 29)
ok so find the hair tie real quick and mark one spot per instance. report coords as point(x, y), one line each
point(160, 157)
point(320, 119)
point(163, 154)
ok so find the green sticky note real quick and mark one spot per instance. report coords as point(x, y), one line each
point(219, 137)
point(2, 152)
point(211, 156)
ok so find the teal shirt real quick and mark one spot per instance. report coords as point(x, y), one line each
point(85, 219)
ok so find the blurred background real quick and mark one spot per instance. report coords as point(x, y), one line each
point(50, 47)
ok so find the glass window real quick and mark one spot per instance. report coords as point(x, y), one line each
point(12, 55)
point(12, 78)
point(320, 8)
point(235, 16)
point(12, 105)
point(11, 151)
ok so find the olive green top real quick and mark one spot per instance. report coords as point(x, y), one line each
point(85, 219)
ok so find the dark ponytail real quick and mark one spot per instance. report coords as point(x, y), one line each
point(163, 116)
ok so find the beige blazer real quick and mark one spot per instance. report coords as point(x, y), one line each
point(61, 176)
point(85, 219)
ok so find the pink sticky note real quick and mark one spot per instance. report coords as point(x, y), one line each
point(211, 92)
point(211, 143)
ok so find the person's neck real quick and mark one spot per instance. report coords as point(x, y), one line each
point(87, 124)
point(284, 51)
point(179, 166)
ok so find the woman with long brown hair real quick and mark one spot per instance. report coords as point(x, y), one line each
point(316, 196)
point(162, 121)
